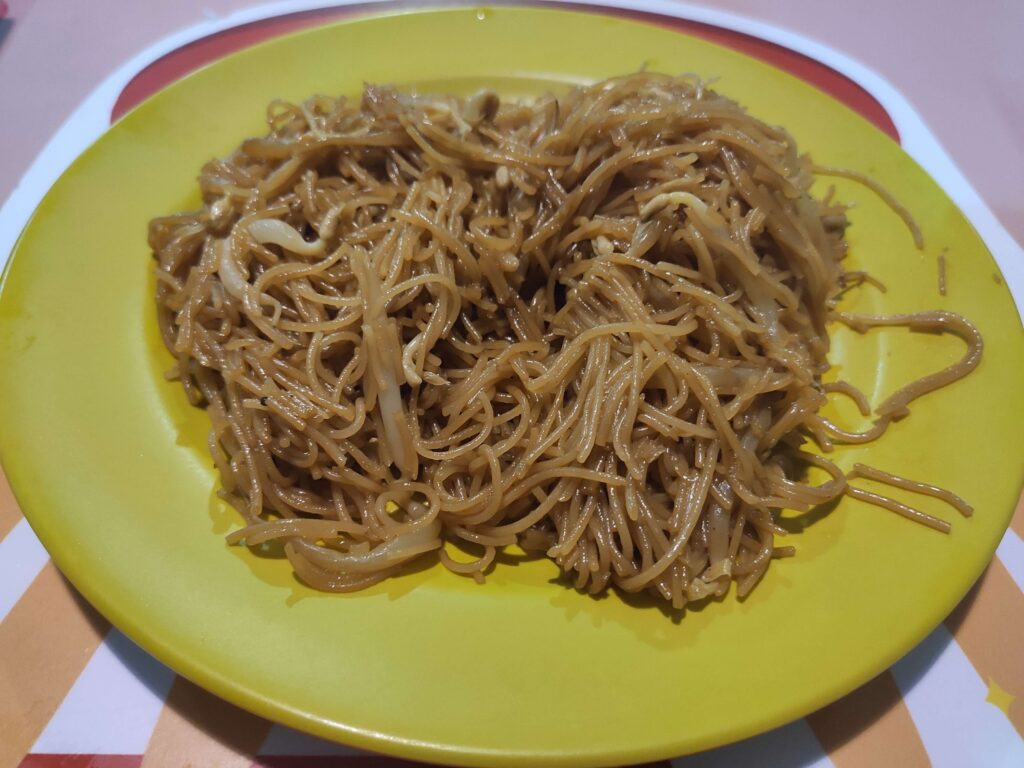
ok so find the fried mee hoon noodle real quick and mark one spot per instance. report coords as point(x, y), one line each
point(593, 326)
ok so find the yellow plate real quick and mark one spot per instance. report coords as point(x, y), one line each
point(108, 461)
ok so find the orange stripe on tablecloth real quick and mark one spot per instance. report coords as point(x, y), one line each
point(197, 728)
point(1017, 522)
point(10, 514)
point(45, 642)
point(871, 726)
point(989, 626)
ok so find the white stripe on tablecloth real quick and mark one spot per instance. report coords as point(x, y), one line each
point(1011, 554)
point(946, 699)
point(791, 746)
point(22, 557)
point(282, 741)
point(113, 706)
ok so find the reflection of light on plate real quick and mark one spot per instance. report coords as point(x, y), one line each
point(110, 463)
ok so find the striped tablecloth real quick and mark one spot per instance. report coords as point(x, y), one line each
point(75, 692)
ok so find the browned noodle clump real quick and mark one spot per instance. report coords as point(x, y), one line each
point(592, 326)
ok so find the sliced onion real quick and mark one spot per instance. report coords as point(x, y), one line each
point(276, 232)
